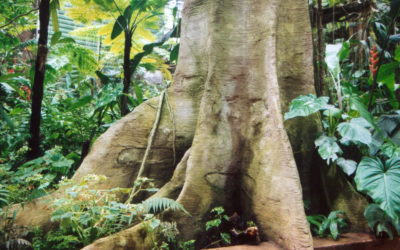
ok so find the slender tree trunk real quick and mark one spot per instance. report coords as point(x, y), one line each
point(37, 89)
point(320, 46)
point(127, 73)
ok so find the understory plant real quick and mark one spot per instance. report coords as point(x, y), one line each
point(327, 226)
point(85, 214)
point(361, 121)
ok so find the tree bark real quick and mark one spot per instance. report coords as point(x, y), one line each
point(240, 64)
point(127, 73)
point(37, 89)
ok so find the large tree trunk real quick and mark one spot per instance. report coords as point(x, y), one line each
point(240, 64)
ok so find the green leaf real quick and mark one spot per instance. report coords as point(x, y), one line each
point(379, 221)
point(348, 166)
point(213, 224)
point(108, 94)
point(307, 105)
point(386, 75)
point(81, 102)
point(174, 54)
point(54, 15)
point(154, 223)
point(381, 182)
point(147, 49)
point(328, 149)
point(344, 51)
point(357, 105)
point(397, 54)
point(55, 38)
point(333, 228)
point(66, 40)
point(4, 115)
point(225, 238)
point(104, 79)
point(138, 93)
point(353, 132)
point(119, 25)
point(390, 150)
point(128, 13)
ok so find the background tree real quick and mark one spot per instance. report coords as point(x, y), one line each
point(37, 87)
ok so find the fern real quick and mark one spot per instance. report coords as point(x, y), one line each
point(4, 197)
point(17, 243)
point(28, 43)
point(160, 204)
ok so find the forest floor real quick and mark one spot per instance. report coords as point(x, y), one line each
point(347, 241)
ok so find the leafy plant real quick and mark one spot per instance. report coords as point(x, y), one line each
point(4, 194)
point(88, 214)
point(381, 182)
point(380, 222)
point(327, 226)
point(219, 218)
point(10, 234)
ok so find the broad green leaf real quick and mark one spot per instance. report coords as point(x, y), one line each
point(307, 105)
point(386, 75)
point(397, 54)
point(333, 228)
point(55, 38)
point(353, 132)
point(378, 220)
point(381, 182)
point(174, 54)
point(357, 105)
point(54, 5)
point(390, 150)
point(328, 149)
point(108, 94)
point(138, 93)
point(128, 13)
point(119, 25)
point(344, 51)
point(213, 224)
point(348, 166)
point(334, 112)
point(66, 40)
point(104, 79)
point(81, 102)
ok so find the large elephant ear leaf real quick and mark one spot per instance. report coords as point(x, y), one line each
point(379, 221)
point(328, 149)
point(381, 182)
point(306, 105)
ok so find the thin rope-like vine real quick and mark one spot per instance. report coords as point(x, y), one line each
point(148, 148)
point(171, 116)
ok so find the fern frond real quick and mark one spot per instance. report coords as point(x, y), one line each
point(28, 43)
point(160, 204)
point(4, 194)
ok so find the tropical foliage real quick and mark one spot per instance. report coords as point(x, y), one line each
point(360, 117)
